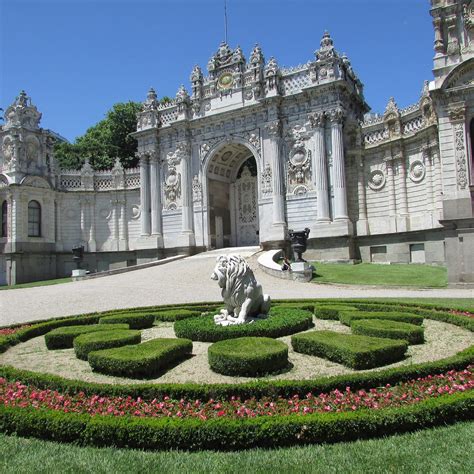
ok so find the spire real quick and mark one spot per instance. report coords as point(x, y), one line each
point(326, 49)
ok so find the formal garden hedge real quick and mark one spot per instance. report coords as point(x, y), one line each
point(282, 321)
point(141, 360)
point(98, 340)
point(248, 356)
point(346, 317)
point(62, 338)
point(134, 321)
point(356, 352)
point(391, 329)
point(331, 311)
point(226, 433)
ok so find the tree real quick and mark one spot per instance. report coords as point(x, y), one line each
point(104, 142)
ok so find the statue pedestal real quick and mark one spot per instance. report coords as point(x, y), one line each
point(302, 271)
point(78, 274)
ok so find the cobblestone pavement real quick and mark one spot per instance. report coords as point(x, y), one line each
point(181, 281)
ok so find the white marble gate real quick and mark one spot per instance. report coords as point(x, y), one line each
point(246, 212)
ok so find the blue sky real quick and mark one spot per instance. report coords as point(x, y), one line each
point(76, 58)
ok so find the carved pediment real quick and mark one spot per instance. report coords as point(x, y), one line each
point(462, 76)
point(35, 182)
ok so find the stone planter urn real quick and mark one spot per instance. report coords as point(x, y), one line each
point(298, 243)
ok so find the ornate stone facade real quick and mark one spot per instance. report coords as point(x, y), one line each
point(252, 150)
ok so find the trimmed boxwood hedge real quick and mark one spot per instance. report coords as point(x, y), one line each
point(346, 317)
point(134, 321)
point(356, 352)
point(331, 311)
point(62, 338)
point(281, 321)
point(142, 360)
point(248, 356)
point(389, 329)
point(97, 340)
point(225, 434)
point(177, 314)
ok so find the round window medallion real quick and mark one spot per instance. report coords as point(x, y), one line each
point(226, 80)
point(376, 180)
point(417, 171)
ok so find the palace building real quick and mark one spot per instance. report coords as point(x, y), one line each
point(251, 150)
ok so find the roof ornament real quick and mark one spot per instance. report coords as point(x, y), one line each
point(326, 50)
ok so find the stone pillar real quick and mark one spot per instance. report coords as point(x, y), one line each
point(427, 160)
point(403, 185)
point(83, 220)
point(438, 183)
point(124, 226)
point(91, 241)
point(438, 42)
point(58, 224)
point(145, 194)
point(115, 219)
point(320, 167)
point(155, 194)
point(362, 224)
point(187, 227)
point(278, 221)
point(339, 185)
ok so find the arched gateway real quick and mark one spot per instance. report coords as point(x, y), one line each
point(232, 197)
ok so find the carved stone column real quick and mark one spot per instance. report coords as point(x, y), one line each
point(362, 227)
point(457, 116)
point(58, 224)
point(392, 206)
point(402, 167)
point(145, 194)
point(124, 226)
point(274, 132)
point(438, 42)
point(91, 241)
point(340, 191)
point(320, 167)
point(115, 219)
point(187, 229)
point(83, 219)
point(427, 160)
point(155, 182)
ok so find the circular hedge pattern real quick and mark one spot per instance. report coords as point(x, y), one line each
point(141, 360)
point(98, 340)
point(389, 329)
point(134, 321)
point(248, 356)
point(282, 321)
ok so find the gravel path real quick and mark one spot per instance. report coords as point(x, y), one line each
point(181, 281)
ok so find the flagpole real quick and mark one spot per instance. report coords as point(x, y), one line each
point(225, 20)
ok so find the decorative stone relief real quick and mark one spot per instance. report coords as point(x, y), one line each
point(457, 113)
point(197, 189)
point(376, 180)
point(460, 155)
point(136, 212)
point(266, 179)
point(468, 15)
point(417, 171)
point(148, 117)
point(300, 190)
point(299, 165)
point(243, 296)
point(118, 177)
point(254, 139)
point(182, 151)
point(172, 188)
point(273, 128)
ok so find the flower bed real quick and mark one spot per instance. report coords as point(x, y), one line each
point(281, 321)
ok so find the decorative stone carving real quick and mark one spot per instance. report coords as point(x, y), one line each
point(273, 128)
point(468, 15)
point(172, 188)
point(182, 152)
point(242, 294)
point(22, 113)
point(118, 177)
point(457, 113)
point(326, 50)
point(87, 176)
point(426, 106)
point(136, 212)
point(197, 189)
point(316, 119)
point(417, 171)
point(300, 190)
point(254, 139)
point(148, 117)
point(392, 120)
point(460, 155)
point(272, 75)
point(182, 99)
point(267, 180)
point(376, 180)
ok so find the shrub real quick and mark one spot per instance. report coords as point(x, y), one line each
point(142, 360)
point(389, 329)
point(354, 351)
point(324, 311)
point(97, 340)
point(305, 306)
point(346, 317)
point(135, 321)
point(177, 314)
point(62, 338)
point(282, 321)
point(248, 356)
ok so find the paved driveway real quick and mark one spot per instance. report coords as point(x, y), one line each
point(181, 281)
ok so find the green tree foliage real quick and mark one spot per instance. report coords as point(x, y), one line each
point(105, 141)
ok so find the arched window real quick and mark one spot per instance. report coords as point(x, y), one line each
point(34, 219)
point(4, 216)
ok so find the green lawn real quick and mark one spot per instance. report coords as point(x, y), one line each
point(421, 276)
point(445, 449)
point(37, 283)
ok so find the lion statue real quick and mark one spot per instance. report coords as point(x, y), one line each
point(243, 296)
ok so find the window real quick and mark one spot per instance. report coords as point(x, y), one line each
point(378, 254)
point(417, 253)
point(34, 219)
point(4, 229)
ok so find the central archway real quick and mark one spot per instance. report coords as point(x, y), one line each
point(232, 193)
